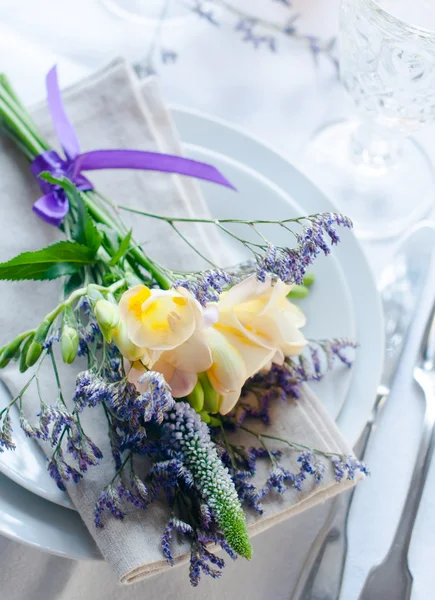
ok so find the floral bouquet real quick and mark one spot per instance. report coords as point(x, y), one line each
point(176, 361)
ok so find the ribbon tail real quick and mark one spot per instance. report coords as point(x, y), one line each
point(64, 129)
point(148, 161)
point(51, 209)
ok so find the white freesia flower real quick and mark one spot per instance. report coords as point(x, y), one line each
point(160, 319)
point(170, 328)
point(257, 325)
point(253, 325)
point(265, 315)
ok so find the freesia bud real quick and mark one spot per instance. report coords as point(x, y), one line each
point(36, 347)
point(211, 397)
point(196, 397)
point(298, 291)
point(33, 353)
point(214, 422)
point(309, 279)
point(205, 416)
point(9, 352)
point(23, 356)
point(124, 344)
point(69, 344)
point(107, 316)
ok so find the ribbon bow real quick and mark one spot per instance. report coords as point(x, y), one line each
point(53, 205)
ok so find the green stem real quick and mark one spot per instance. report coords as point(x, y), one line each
point(271, 456)
point(102, 217)
point(192, 246)
point(18, 396)
point(9, 96)
point(59, 443)
point(293, 445)
point(56, 376)
point(228, 446)
point(118, 472)
point(13, 122)
point(213, 221)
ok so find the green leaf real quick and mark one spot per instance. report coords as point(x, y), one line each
point(62, 258)
point(85, 231)
point(124, 247)
point(110, 237)
point(73, 282)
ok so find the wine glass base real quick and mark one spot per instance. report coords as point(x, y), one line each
point(382, 200)
point(147, 12)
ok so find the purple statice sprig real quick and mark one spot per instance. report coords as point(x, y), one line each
point(112, 389)
point(82, 448)
point(311, 465)
point(202, 559)
point(312, 461)
point(336, 349)
point(6, 442)
point(314, 234)
point(174, 525)
point(126, 487)
point(248, 28)
point(346, 467)
point(207, 286)
point(207, 14)
point(61, 471)
point(291, 264)
point(280, 478)
point(52, 421)
point(284, 381)
point(259, 32)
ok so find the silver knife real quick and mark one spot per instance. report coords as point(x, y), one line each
point(400, 287)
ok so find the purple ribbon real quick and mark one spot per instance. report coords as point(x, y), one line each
point(53, 205)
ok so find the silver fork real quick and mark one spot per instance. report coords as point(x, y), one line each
point(392, 579)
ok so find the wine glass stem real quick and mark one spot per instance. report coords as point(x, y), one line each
point(373, 149)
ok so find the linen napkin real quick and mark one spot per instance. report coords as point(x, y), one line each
point(111, 110)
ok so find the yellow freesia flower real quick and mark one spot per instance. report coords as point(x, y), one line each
point(252, 325)
point(159, 319)
point(179, 366)
point(164, 329)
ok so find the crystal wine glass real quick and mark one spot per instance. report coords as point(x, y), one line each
point(375, 172)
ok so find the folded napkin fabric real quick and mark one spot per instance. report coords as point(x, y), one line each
point(111, 110)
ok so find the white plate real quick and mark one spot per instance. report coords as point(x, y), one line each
point(343, 302)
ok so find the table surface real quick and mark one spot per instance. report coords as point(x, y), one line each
point(281, 97)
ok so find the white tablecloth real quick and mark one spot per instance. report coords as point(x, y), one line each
point(281, 97)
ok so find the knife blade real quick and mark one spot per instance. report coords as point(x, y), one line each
point(400, 286)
